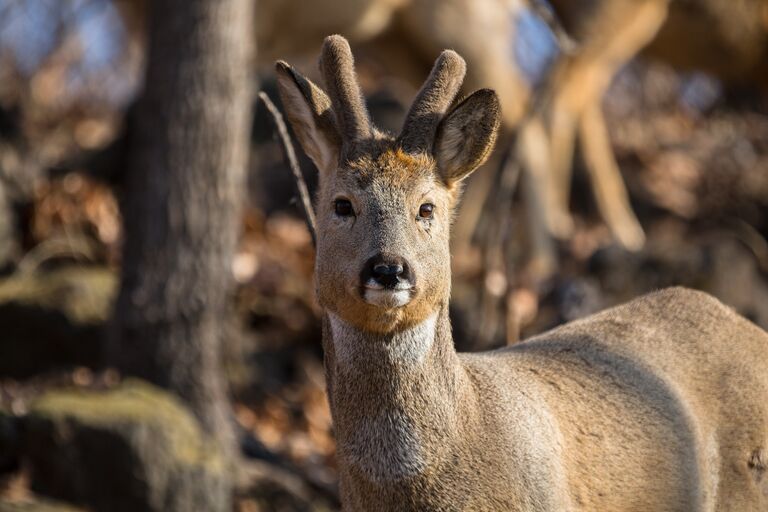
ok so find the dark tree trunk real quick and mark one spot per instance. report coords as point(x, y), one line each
point(181, 204)
point(8, 235)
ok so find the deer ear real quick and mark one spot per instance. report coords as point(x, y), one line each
point(466, 135)
point(309, 111)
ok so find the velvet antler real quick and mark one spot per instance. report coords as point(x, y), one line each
point(338, 69)
point(432, 102)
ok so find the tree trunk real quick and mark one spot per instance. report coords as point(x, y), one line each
point(181, 204)
point(8, 236)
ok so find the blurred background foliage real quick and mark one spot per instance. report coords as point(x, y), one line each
point(687, 123)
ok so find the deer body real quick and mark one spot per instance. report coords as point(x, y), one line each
point(660, 404)
point(653, 405)
point(416, 432)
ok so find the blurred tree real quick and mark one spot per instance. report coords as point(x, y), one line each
point(8, 245)
point(181, 203)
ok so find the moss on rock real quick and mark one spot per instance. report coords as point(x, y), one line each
point(54, 319)
point(83, 294)
point(37, 505)
point(131, 448)
point(134, 402)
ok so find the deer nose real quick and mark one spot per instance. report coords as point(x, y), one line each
point(382, 270)
point(387, 271)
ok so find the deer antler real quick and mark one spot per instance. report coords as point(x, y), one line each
point(338, 68)
point(432, 102)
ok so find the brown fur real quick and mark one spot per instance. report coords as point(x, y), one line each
point(660, 404)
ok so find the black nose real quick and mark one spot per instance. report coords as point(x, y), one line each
point(385, 270)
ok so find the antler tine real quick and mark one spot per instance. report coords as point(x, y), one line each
point(432, 102)
point(338, 68)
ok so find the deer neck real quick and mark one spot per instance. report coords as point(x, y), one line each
point(395, 398)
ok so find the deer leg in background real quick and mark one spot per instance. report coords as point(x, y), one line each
point(561, 139)
point(573, 79)
point(579, 89)
point(607, 184)
point(532, 151)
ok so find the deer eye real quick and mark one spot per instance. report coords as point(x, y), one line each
point(426, 210)
point(343, 208)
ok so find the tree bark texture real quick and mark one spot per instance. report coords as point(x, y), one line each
point(8, 236)
point(181, 203)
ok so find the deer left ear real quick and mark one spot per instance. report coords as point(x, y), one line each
point(466, 135)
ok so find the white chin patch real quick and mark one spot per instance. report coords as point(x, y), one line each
point(387, 298)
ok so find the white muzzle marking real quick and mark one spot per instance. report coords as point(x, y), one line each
point(378, 295)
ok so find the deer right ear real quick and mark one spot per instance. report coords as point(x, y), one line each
point(309, 111)
point(466, 135)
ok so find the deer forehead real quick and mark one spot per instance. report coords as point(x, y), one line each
point(395, 163)
point(391, 174)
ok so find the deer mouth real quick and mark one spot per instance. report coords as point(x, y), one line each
point(397, 296)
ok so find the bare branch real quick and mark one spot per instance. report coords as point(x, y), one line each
point(293, 163)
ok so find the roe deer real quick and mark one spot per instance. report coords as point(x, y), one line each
point(660, 404)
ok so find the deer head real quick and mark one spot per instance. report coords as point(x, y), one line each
point(385, 203)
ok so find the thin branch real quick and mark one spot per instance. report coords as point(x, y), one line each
point(293, 163)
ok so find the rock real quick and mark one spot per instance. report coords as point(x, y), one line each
point(9, 443)
point(124, 450)
point(54, 319)
point(36, 505)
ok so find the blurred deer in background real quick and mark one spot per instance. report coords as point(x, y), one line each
point(410, 31)
point(609, 35)
point(661, 404)
point(724, 38)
